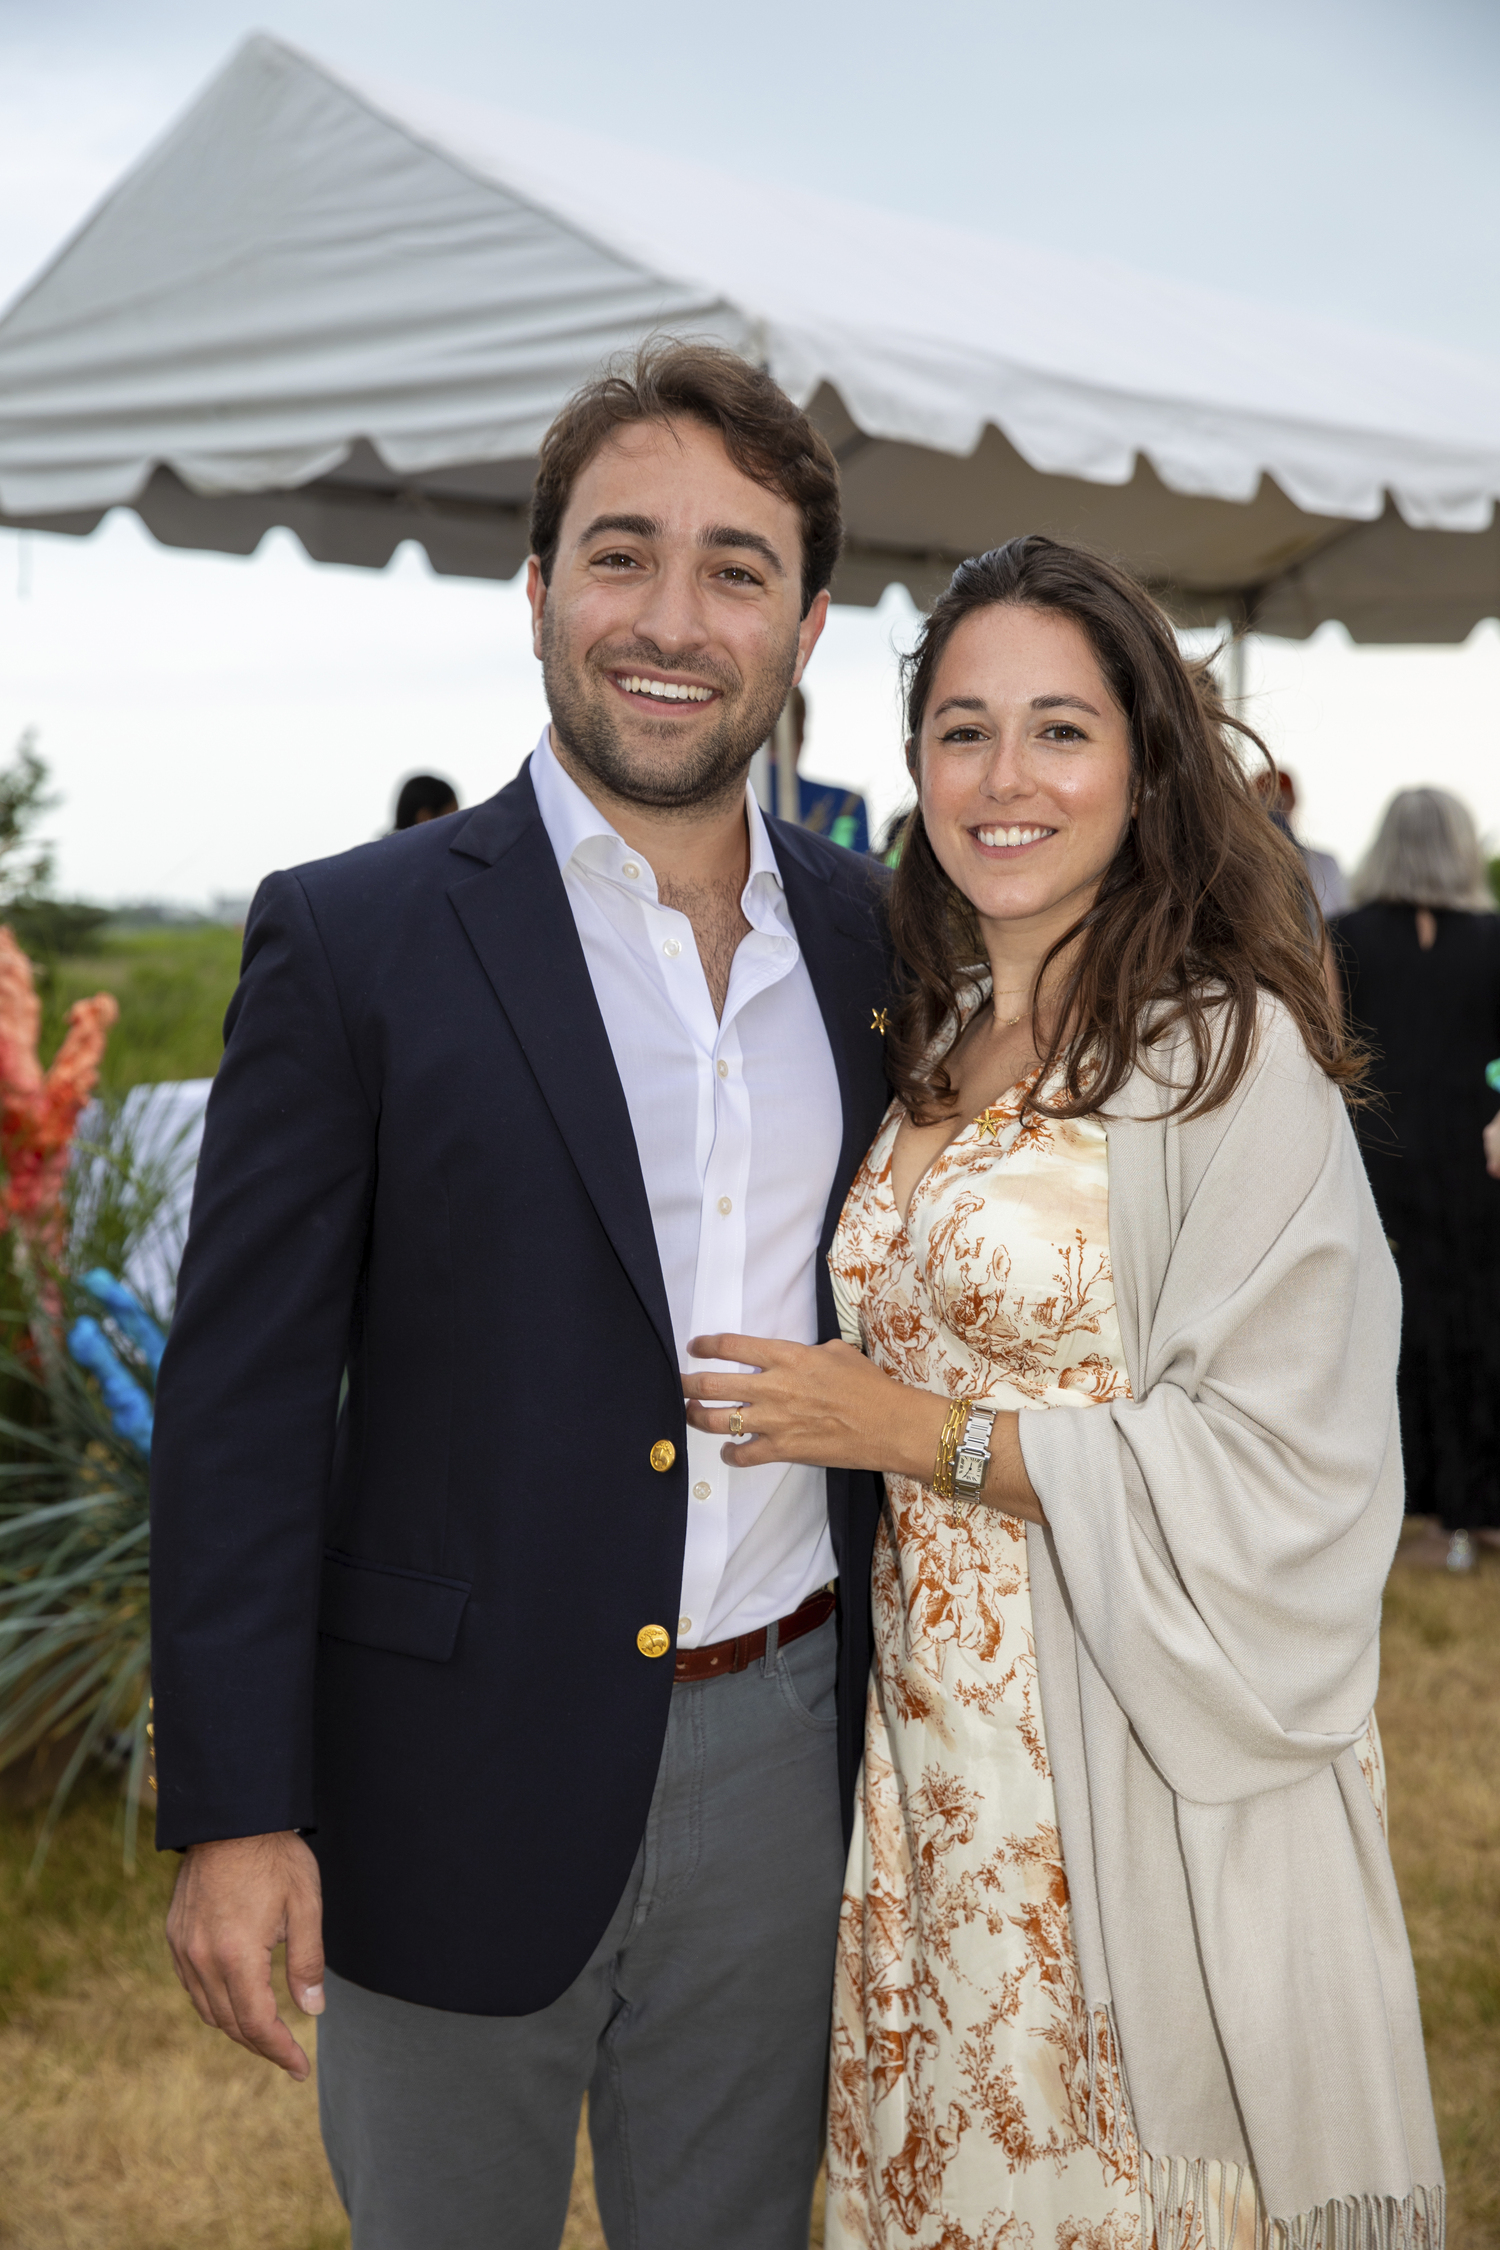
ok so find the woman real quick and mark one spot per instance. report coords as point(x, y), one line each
point(1420, 960)
point(1120, 1929)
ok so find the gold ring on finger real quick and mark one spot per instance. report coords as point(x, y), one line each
point(737, 1423)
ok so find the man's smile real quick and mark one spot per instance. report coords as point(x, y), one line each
point(645, 687)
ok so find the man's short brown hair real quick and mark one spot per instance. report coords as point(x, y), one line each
point(766, 437)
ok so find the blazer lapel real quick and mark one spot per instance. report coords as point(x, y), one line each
point(516, 913)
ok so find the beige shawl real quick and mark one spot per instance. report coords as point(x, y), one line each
point(1207, 1609)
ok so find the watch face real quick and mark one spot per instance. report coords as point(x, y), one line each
point(969, 1468)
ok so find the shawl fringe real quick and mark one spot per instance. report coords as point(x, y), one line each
point(1107, 2125)
point(1197, 2203)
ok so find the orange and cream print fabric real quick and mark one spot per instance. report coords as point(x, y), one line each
point(960, 2081)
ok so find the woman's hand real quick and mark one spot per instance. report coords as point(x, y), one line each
point(820, 1403)
point(826, 1405)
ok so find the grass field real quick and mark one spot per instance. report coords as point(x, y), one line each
point(1440, 1721)
point(128, 2126)
point(173, 986)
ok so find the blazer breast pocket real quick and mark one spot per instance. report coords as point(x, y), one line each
point(379, 1605)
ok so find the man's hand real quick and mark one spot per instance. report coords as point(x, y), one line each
point(235, 1902)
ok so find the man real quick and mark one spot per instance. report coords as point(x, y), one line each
point(512, 1108)
point(825, 807)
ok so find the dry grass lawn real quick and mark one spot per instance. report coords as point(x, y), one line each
point(1440, 1721)
point(126, 2125)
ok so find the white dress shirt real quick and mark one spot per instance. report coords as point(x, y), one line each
point(738, 1122)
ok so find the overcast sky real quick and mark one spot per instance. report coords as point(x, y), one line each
point(209, 718)
point(1339, 155)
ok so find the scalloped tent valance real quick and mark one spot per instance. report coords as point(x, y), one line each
point(354, 312)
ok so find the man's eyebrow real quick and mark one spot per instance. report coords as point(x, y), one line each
point(715, 535)
point(635, 527)
point(730, 535)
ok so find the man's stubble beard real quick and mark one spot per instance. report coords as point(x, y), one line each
point(713, 770)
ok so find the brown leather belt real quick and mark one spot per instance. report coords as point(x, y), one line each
point(737, 1655)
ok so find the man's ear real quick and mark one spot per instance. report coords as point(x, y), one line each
point(536, 594)
point(808, 633)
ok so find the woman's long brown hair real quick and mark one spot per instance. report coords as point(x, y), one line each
point(1205, 906)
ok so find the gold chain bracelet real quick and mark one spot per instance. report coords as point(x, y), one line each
point(947, 1449)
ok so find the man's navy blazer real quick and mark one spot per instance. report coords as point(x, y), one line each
point(407, 1625)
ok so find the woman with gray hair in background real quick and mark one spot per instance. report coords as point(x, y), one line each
point(1420, 959)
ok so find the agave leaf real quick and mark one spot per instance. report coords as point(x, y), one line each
point(74, 1528)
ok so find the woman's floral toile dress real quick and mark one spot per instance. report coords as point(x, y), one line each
point(959, 2097)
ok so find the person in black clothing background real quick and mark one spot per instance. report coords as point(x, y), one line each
point(1419, 956)
point(423, 797)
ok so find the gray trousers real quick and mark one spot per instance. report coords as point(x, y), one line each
point(698, 2030)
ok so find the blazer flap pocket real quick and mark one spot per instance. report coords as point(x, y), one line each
point(383, 1607)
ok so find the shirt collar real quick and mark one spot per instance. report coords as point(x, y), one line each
point(576, 828)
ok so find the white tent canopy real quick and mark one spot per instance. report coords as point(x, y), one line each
point(354, 312)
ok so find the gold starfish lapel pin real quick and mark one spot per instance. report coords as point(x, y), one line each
point(989, 1122)
point(878, 1020)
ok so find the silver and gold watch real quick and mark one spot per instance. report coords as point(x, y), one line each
point(972, 1458)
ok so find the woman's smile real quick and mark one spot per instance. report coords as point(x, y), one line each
point(998, 841)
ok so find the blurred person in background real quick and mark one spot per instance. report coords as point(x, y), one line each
point(1419, 957)
point(825, 807)
point(887, 845)
point(423, 797)
point(1323, 870)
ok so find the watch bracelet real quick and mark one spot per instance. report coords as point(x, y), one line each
point(979, 1428)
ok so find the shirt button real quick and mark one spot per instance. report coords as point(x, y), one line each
point(723, 1070)
point(703, 1490)
point(653, 1640)
point(684, 1624)
point(672, 948)
point(725, 1206)
point(663, 1454)
point(630, 869)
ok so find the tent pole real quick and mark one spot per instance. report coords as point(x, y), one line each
point(1231, 666)
point(1237, 669)
point(788, 797)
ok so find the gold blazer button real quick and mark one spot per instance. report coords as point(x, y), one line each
point(663, 1454)
point(653, 1640)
